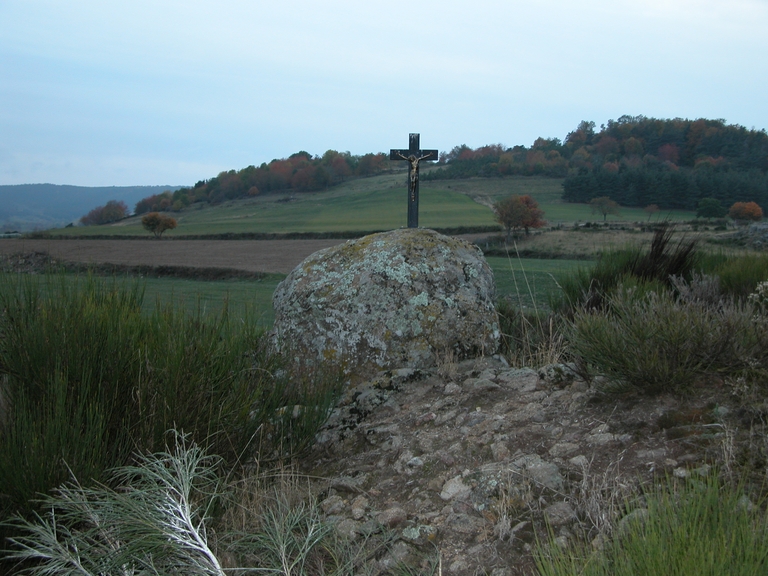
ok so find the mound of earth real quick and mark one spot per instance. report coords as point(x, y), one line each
point(472, 460)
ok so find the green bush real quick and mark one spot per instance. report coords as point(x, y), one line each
point(631, 265)
point(740, 276)
point(700, 527)
point(657, 343)
point(87, 380)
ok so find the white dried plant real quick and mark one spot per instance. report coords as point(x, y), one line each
point(153, 523)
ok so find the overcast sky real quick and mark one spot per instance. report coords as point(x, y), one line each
point(102, 93)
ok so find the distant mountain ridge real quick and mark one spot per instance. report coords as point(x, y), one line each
point(26, 207)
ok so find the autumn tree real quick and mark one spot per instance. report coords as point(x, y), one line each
point(158, 223)
point(651, 209)
point(518, 212)
point(113, 211)
point(746, 211)
point(710, 208)
point(604, 205)
point(154, 203)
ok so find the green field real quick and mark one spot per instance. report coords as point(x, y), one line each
point(521, 280)
point(253, 297)
point(376, 203)
point(547, 192)
point(527, 281)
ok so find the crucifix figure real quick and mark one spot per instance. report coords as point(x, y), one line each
point(413, 156)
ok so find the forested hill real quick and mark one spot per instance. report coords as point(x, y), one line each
point(636, 161)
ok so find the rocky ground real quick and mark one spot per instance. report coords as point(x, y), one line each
point(754, 236)
point(471, 462)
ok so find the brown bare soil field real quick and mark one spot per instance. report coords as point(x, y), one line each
point(270, 256)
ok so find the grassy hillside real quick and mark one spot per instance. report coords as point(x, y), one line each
point(377, 203)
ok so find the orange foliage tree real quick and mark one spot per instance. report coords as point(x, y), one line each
point(158, 223)
point(518, 212)
point(746, 211)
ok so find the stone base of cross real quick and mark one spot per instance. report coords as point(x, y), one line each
point(413, 155)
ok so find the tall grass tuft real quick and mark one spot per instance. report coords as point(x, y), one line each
point(700, 527)
point(528, 338)
point(87, 381)
point(740, 276)
point(632, 265)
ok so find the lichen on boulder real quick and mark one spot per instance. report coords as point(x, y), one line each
point(398, 298)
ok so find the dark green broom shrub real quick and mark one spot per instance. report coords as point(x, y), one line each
point(87, 380)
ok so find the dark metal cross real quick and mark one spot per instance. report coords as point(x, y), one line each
point(413, 156)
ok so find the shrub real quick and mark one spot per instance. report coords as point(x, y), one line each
point(699, 527)
point(88, 379)
point(518, 212)
point(746, 211)
point(154, 203)
point(158, 223)
point(628, 266)
point(710, 208)
point(740, 276)
point(604, 206)
point(657, 343)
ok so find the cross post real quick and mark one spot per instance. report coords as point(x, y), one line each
point(413, 155)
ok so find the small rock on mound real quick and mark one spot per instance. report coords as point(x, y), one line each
point(396, 298)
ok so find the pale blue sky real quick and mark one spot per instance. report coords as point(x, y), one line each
point(102, 93)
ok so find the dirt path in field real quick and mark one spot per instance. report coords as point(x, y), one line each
point(271, 256)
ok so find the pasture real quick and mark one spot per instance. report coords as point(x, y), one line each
point(524, 281)
point(375, 203)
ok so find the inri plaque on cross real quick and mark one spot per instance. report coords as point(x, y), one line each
point(413, 156)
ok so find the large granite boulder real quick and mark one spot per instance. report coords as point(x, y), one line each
point(394, 299)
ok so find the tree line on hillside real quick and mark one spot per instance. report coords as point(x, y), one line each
point(636, 161)
point(300, 171)
point(112, 211)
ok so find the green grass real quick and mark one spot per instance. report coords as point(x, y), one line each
point(256, 296)
point(524, 281)
point(337, 210)
point(547, 192)
point(253, 296)
point(698, 528)
point(377, 203)
point(510, 276)
point(209, 298)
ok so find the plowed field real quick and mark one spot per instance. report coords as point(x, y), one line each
point(271, 256)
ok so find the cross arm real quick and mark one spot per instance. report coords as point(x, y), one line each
point(431, 155)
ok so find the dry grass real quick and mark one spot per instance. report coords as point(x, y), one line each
point(590, 243)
